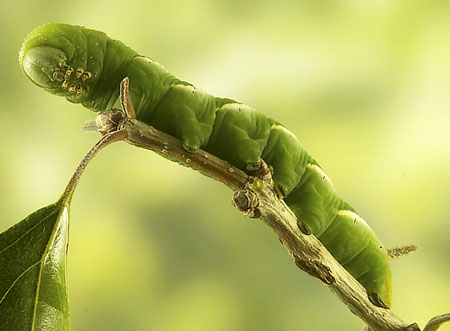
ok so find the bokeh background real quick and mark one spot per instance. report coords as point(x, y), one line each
point(155, 246)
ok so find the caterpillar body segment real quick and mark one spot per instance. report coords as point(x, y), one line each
point(239, 135)
point(86, 66)
point(284, 152)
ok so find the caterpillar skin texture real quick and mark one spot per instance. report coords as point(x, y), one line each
point(86, 66)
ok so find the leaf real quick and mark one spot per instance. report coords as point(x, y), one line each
point(33, 290)
point(33, 258)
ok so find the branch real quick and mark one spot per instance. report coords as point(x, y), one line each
point(252, 193)
point(256, 197)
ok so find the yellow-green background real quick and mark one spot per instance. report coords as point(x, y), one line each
point(155, 246)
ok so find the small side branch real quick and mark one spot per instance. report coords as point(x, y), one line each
point(436, 322)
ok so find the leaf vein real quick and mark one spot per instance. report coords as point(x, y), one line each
point(29, 230)
point(17, 279)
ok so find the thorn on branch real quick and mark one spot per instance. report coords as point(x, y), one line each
point(412, 327)
point(315, 269)
point(247, 202)
point(125, 99)
point(108, 121)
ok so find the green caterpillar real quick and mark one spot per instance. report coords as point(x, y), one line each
point(86, 66)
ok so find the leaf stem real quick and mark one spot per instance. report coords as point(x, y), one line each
point(103, 142)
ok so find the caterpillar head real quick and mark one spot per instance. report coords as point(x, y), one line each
point(64, 60)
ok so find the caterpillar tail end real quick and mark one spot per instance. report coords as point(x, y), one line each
point(380, 292)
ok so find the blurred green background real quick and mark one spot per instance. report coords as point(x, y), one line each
point(155, 246)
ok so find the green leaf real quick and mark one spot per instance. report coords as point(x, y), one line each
point(33, 258)
point(33, 291)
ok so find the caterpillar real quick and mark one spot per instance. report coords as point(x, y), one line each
point(86, 66)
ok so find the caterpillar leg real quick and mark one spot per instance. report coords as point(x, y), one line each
point(263, 171)
point(376, 300)
point(303, 227)
point(314, 200)
point(343, 232)
point(189, 149)
point(187, 113)
point(169, 104)
point(288, 158)
point(253, 166)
